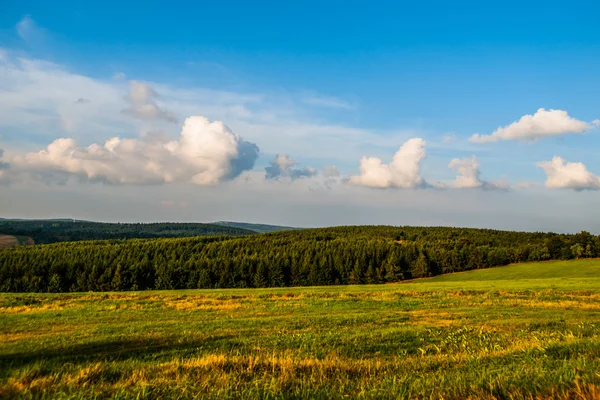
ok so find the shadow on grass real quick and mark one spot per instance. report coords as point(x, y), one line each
point(113, 350)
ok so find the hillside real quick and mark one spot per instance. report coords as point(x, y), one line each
point(311, 257)
point(572, 274)
point(573, 269)
point(63, 230)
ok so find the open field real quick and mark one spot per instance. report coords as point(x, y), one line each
point(523, 331)
point(12, 241)
point(8, 241)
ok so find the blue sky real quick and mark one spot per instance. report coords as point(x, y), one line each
point(324, 85)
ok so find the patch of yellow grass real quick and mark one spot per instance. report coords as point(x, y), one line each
point(205, 304)
point(32, 308)
point(436, 318)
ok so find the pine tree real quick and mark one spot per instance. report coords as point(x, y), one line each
point(356, 275)
point(371, 277)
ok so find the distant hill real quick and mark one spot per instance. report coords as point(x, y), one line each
point(259, 228)
point(64, 230)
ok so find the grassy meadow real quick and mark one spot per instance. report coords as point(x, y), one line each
point(524, 331)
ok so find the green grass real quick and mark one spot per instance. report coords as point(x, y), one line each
point(523, 331)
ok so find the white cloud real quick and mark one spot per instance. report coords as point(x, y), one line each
point(118, 75)
point(39, 98)
point(281, 167)
point(468, 173)
point(38, 103)
point(142, 103)
point(597, 122)
point(571, 175)
point(402, 172)
point(205, 154)
point(544, 123)
point(469, 176)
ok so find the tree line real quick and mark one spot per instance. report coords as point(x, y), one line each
point(329, 256)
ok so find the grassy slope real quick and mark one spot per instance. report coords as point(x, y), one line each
point(530, 330)
point(575, 274)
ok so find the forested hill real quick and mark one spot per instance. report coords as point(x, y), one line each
point(342, 255)
point(259, 228)
point(51, 231)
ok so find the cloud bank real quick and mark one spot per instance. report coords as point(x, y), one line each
point(542, 124)
point(206, 153)
point(402, 172)
point(561, 174)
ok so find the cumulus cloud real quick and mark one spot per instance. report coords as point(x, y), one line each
point(597, 122)
point(402, 172)
point(569, 175)
point(206, 153)
point(282, 167)
point(542, 124)
point(469, 176)
point(468, 173)
point(142, 103)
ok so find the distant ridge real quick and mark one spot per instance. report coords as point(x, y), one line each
point(43, 219)
point(259, 228)
point(66, 230)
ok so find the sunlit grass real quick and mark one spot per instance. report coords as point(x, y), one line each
point(525, 331)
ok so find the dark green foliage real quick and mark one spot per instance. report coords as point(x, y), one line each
point(343, 255)
point(52, 231)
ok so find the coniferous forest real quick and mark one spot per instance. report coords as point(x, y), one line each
point(329, 256)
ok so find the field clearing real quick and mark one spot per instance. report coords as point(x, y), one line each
point(12, 241)
point(522, 331)
point(8, 241)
